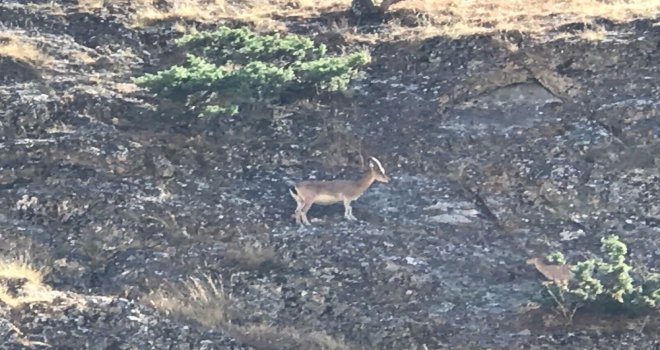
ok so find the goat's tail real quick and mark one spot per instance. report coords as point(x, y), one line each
point(294, 193)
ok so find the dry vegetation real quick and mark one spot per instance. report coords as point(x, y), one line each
point(204, 302)
point(16, 47)
point(462, 17)
point(22, 283)
point(437, 17)
point(258, 12)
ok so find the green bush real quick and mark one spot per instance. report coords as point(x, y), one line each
point(607, 282)
point(229, 68)
point(556, 258)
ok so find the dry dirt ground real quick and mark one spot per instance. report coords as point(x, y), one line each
point(152, 231)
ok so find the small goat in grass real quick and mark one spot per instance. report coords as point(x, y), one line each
point(559, 274)
point(307, 193)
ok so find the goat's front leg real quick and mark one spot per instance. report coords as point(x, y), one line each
point(348, 210)
point(303, 212)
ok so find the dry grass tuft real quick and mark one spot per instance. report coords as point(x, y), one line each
point(595, 34)
point(90, 5)
point(205, 303)
point(274, 338)
point(21, 283)
point(183, 10)
point(201, 301)
point(260, 13)
point(184, 28)
point(257, 12)
point(124, 88)
point(460, 17)
point(81, 57)
point(15, 47)
point(453, 18)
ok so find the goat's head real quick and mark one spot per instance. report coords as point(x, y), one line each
point(377, 169)
point(533, 260)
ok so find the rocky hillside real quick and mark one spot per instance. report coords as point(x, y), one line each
point(145, 229)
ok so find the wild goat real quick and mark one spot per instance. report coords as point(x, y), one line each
point(559, 274)
point(322, 192)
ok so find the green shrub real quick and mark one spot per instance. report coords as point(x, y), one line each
point(556, 258)
point(607, 282)
point(614, 272)
point(229, 68)
point(584, 285)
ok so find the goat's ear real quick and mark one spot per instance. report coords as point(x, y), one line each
point(371, 164)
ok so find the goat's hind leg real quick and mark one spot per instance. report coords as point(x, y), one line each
point(298, 212)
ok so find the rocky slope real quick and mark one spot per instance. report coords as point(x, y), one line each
point(499, 147)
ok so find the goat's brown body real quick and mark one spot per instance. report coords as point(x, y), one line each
point(559, 274)
point(334, 191)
